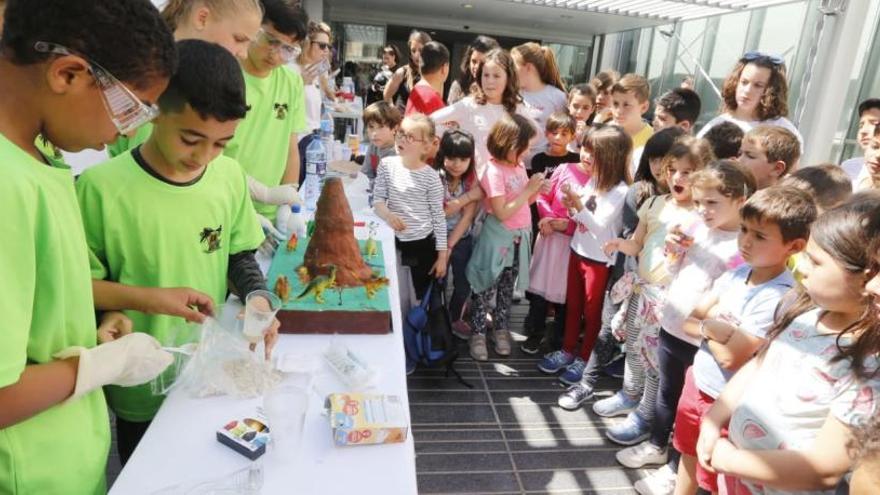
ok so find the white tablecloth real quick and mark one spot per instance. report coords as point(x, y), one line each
point(180, 446)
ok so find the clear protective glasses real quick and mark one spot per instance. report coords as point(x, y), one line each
point(125, 109)
point(286, 51)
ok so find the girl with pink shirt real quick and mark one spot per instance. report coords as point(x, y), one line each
point(550, 258)
point(501, 256)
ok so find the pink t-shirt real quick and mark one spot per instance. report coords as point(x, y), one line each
point(550, 204)
point(507, 181)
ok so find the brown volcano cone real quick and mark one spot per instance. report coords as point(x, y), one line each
point(333, 242)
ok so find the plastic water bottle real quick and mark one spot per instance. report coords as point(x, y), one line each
point(316, 168)
point(295, 223)
point(327, 130)
point(289, 221)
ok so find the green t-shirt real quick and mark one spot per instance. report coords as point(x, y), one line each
point(46, 307)
point(262, 140)
point(125, 143)
point(146, 232)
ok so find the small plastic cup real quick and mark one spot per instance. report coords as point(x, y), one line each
point(285, 407)
point(259, 311)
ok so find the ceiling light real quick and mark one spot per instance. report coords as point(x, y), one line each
point(467, 6)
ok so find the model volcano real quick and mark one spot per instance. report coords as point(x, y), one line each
point(333, 242)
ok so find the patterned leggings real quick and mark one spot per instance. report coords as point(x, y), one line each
point(502, 291)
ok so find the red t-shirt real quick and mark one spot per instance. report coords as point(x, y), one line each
point(423, 99)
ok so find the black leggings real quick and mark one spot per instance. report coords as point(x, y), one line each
point(128, 436)
point(673, 358)
point(419, 256)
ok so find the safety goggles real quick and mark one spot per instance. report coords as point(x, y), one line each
point(756, 56)
point(286, 51)
point(125, 109)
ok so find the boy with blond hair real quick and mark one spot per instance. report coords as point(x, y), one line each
point(630, 99)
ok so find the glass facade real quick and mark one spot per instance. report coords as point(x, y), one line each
point(669, 53)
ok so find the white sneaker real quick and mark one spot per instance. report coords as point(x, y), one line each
point(660, 482)
point(643, 454)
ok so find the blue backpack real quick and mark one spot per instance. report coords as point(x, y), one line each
point(427, 332)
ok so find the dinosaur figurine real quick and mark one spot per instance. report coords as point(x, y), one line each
point(371, 247)
point(318, 285)
point(374, 283)
point(292, 242)
point(302, 273)
point(282, 288)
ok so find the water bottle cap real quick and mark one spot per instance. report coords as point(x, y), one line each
point(295, 208)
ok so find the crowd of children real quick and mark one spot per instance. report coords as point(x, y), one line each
point(683, 250)
point(742, 286)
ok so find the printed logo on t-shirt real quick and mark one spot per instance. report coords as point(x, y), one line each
point(280, 111)
point(210, 238)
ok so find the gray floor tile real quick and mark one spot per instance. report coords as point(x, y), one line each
point(470, 483)
point(463, 462)
point(571, 459)
point(578, 481)
point(446, 414)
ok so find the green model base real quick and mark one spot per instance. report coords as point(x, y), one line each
point(352, 299)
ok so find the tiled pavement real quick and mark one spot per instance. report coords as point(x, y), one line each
point(506, 435)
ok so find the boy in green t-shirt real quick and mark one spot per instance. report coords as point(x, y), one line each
point(170, 224)
point(266, 141)
point(60, 63)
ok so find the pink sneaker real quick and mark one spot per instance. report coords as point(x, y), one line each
point(462, 330)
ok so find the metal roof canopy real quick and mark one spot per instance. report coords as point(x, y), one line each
point(666, 10)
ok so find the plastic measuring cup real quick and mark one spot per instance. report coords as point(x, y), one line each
point(259, 312)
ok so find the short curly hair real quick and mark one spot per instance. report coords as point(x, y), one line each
point(138, 54)
point(774, 101)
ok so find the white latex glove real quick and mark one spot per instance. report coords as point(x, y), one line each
point(131, 360)
point(270, 229)
point(285, 194)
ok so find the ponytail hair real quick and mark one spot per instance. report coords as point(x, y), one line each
point(177, 11)
point(544, 60)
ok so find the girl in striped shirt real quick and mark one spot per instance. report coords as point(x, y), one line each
point(408, 195)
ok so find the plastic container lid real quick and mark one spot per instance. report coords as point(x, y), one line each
point(295, 208)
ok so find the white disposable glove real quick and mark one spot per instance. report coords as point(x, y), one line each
point(131, 360)
point(285, 194)
point(270, 229)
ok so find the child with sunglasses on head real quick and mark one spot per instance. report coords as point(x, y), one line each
point(54, 426)
point(642, 293)
point(597, 214)
point(500, 258)
point(408, 195)
point(455, 161)
point(793, 411)
point(755, 92)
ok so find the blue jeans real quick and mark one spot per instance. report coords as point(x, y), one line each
point(459, 258)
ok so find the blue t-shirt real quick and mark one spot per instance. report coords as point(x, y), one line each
point(754, 307)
